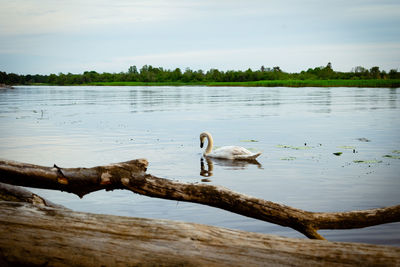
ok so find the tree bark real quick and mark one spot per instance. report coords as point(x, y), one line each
point(37, 235)
point(132, 175)
point(18, 194)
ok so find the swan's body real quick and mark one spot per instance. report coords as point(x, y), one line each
point(226, 152)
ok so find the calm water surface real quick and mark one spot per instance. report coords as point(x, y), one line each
point(89, 126)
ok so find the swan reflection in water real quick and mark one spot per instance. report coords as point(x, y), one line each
point(232, 164)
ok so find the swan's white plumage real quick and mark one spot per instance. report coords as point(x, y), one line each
point(226, 152)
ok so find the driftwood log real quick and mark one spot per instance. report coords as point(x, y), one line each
point(132, 175)
point(34, 234)
point(19, 194)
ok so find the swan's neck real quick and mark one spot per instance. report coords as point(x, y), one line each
point(209, 144)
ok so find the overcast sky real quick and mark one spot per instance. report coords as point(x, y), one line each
point(52, 36)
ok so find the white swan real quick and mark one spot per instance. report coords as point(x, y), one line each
point(226, 152)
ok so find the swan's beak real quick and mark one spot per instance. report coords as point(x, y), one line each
point(201, 144)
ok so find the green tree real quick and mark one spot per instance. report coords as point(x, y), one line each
point(132, 70)
point(327, 72)
point(394, 74)
point(276, 69)
point(176, 75)
point(375, 73)
point(360, 73)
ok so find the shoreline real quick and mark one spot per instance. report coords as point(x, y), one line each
point(394, 83)
point(5, 86)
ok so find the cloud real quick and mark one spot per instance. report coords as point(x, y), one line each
point(111, 35)
point(48, 16)
point(71, 16)
point(290, 57)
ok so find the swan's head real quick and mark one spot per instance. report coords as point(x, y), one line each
point(203, 137)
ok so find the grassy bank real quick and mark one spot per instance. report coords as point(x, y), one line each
point(267, 83)
point(147, 83)
point(316, 83)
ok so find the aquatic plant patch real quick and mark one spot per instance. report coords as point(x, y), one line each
point(392, 156)
point(294, 147)
point(368, 161)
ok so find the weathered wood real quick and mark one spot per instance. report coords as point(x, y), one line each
point(18, 194)
point(79, 181)
point(36, 235)
point(132, 175)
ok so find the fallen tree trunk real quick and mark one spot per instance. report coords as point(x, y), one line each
point(132, 175)
point(18, 194)
point(37, 235)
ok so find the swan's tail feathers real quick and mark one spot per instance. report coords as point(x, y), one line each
point(255, 155)
point(250, 157)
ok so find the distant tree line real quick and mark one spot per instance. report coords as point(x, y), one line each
point(149, 73)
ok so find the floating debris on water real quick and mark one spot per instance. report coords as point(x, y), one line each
point(294, 147)
point(396, 151)
point(300, 147)
point(338, 153)
point(347, 147)
point(249, 141)
point(363, 139)
point(288, 158)
point(283, 146)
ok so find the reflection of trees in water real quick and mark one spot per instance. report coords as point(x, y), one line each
point(157, 99)
point(392, 98)
point(162, 99)
point(232, 164)
point(372, 99)
point(315, 100)
point(321, 98)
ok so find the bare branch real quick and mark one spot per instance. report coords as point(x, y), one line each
point(132, 175)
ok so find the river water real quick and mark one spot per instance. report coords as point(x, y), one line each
point(296, 129)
